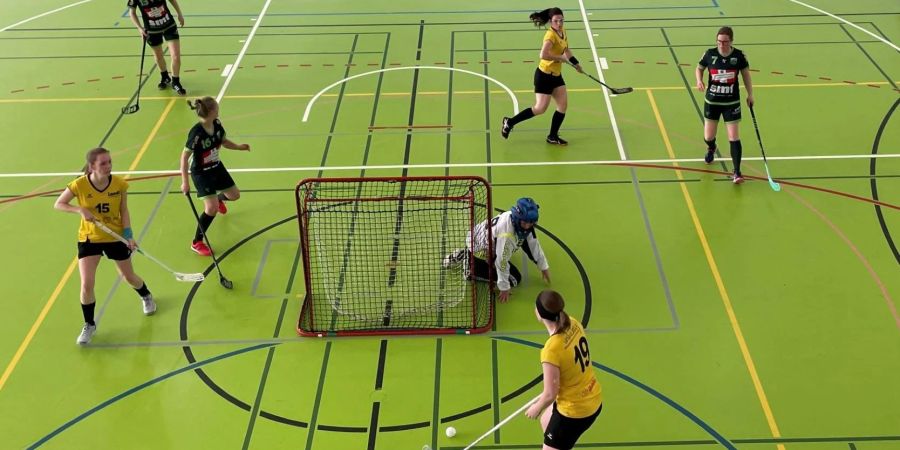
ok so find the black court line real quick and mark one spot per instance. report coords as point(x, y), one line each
point(487, 107)
point(872, 60)
point(874, 181)
point(379, 382)
point(652, 46)
point(690, 91)
point(318, 402)
point(436, 403)
point(271, 353)
point(189, 55)
point(703, 442)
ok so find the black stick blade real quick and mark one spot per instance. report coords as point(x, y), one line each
point(624, 90)
point(131, 109)
point(226, 283)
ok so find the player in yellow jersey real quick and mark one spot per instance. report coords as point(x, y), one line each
point(569, 382)
point(548, 80)
point(101, 197)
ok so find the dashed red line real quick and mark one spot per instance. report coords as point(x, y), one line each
point(284, 65)
point(17, 91)
point(799, 75)
point(350, 65)
point(68, 83)
point(688, 65)
point(259, 66)
point(662, 63)
point(462, 62)
point(617, 61)
point(505, 62)
point(190, 70)
point(849, 82)
point(118, 77)
point(210, 69)
point(825, 78)
point(639, 62)
point(439, 63)
point(754, 70)
point(528, 61)
point(874, 86)
point(775, 72)
point(305, 65)
point(44, 87)
point(328, 65)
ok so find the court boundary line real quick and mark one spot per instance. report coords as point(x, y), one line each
point(42, 15)
point(237, 62)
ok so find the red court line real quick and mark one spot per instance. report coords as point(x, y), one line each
point(789, 183)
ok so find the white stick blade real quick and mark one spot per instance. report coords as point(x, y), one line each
point(190, 277)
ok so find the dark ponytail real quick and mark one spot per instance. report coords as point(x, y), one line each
point(203, 105)
point(549, 304)
point(540, 18)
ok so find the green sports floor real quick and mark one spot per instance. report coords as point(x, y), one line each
point(718, 315)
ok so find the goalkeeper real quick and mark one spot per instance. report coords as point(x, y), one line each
point(510, 230)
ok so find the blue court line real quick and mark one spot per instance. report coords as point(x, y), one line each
point(140, 387)
point(714, 4)
point(715, 434)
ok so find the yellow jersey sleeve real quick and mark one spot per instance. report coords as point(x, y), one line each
point(579, 392)
point(105, 205)
point(558, 45)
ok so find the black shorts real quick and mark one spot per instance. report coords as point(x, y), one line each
point(212, 181)
point(731, 113)
point(562, 432)
point(116, 251)
point(544, 83)
point(170, 34)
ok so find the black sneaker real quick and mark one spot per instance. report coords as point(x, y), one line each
point(164, 82)
point(178, 88)
point(556, 140)
point(710, 156)
point(505, 128)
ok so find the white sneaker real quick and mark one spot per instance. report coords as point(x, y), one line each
point(149, 305)
point(86, 334)
point(454, 259)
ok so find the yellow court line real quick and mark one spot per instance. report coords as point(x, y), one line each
point(398, 94)
point(745, 352)
point(65, 278)
point(152, 135)
point(37, 324)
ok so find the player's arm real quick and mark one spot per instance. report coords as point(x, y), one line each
point(501, 264)
point(232, 146)
point(185, 183)
point(132, 13)
point(548, 395)
point(568, 56)
point(545, 53)
point(537, 253)
point(126, 221)
point(748, 84)
point(698, 74)
point(178, 12)
point(64, 203)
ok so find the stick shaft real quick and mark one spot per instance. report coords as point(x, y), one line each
point(503, 422)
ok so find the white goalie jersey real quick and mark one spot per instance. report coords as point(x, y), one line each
point(506, 242)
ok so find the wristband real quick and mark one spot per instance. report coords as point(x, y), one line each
point(127, 233)
point(573, 60)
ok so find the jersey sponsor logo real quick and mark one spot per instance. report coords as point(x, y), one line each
point(723, 76)
point(211, 156)
point(114, 194)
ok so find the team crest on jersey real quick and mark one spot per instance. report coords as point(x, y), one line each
point(732, 61)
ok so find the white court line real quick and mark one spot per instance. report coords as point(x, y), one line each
point(612, 115)
point(464, 165)
point(42, 15)
point(603, 64)
point(850, 23)
point(237, 62)
point(319, 94)
point(227, 70)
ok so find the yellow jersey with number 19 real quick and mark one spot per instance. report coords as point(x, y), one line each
point(579, 392)
point(105, 205)
point(558, 45)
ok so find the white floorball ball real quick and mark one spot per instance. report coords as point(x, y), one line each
point(451, 431)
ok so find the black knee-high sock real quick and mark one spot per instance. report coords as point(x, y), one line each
point(143, 291)
point(522, 116)
point(710, 144)
point(556, 122)
point(205, 221)
point(736, 152)
point(88, 312)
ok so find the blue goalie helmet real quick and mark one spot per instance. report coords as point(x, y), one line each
point(525, 209)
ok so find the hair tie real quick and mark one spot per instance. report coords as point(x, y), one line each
point(547, 315)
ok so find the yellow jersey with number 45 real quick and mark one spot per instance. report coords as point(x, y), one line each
point(106, 205)
point(579, 392)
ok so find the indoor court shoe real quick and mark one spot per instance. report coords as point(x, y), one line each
point(454, 259)
point(556, 140)
point(86, 334)
point(178, 88)
point(737, 178)
point(164, 83)
point(710, 156)
point(201, 248)
point(222, 208)
point(505, 128)
point(149, 304)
